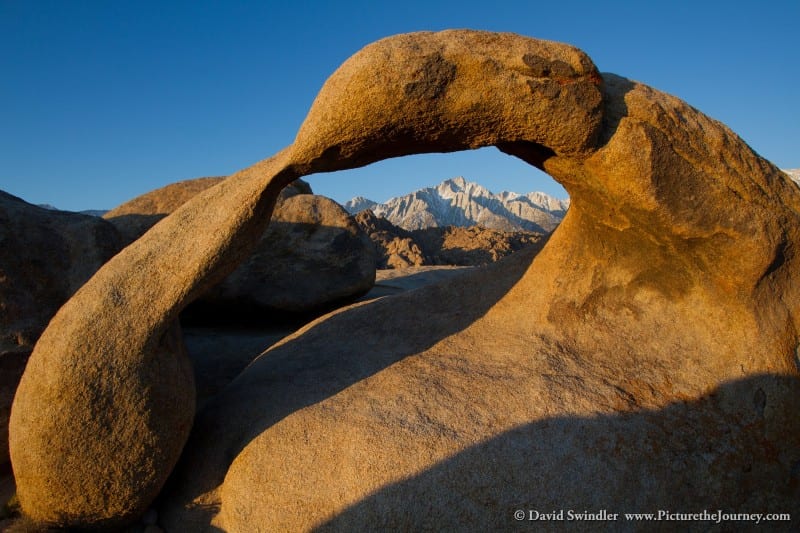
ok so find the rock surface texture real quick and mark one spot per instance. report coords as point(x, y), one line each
point(644, 359)
point(46, 256)
point(394, 246)
point(135, 217)
point(473, 246)
point(311, 257)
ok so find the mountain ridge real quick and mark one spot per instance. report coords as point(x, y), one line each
point(462, 203)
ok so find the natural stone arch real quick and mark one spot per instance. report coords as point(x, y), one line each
point(449, 91)
point(106, 402)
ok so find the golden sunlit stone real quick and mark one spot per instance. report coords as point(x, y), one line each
point(643, 360)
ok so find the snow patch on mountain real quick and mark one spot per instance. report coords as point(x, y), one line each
point(793, 173)
point(458, 202)
point(358, 204)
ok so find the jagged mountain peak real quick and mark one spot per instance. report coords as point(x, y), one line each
point(359, 203)
point(459, 185)
point(458, 181)
point(460, 202)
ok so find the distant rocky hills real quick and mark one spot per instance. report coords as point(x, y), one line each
point(450, 245)
point(90, 212)
point(793, 173)
point(461, 203)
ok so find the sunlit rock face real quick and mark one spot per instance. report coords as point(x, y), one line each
point(644, 359)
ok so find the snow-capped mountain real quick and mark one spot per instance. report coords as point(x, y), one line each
point(358, 204)
point(793, 173)
point(458, 202)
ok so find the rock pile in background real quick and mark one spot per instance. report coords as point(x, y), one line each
point(310, 258)
point(473, 246)
point(394, 247)
point(451, 245)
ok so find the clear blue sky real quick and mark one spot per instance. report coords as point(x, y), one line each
point(101, 101)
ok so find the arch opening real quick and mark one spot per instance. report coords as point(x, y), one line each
point(489, 166)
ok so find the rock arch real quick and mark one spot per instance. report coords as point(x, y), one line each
point(675, 223)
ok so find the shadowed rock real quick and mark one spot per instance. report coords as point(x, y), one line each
point(310, 258)
point(46, 256)
point(685, 457)
point(673, 273)
point(133, 218)
point(107, 400)
point(451, 245)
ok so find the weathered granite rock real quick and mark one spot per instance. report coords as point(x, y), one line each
point(663, 315)
point(46, 256)
point(394, 246)
point(443, 422)
point(311, 257)
point(107, 400)
point(645, 359)
point(451, 245)
point(135, 217)
point(473, 246)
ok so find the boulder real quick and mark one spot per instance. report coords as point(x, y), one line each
point(394, 246)
point(133, 218)
point(662, 316)
point(311, 257)
point(47, 255)
point(441, 421)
